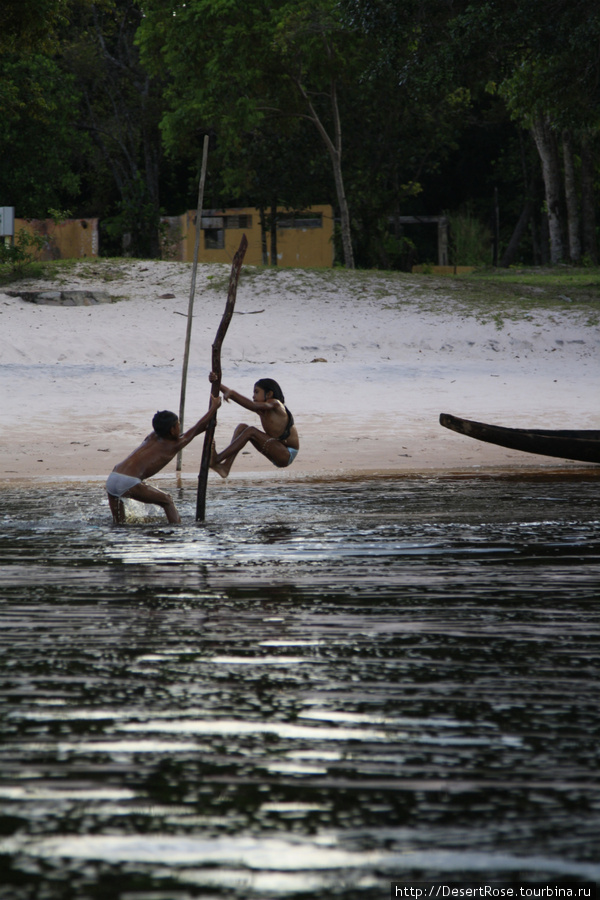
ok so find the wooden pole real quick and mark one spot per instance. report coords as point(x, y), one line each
point(188, 331)
point(216, 368)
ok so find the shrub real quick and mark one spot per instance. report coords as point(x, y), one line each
point(470, 241)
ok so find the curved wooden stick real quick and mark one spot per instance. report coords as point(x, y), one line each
point(216, 368)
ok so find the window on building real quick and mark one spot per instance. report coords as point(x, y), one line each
point(214, 238)
point(301, 220)
point(244, 220)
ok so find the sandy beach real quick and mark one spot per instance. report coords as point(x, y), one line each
point(367, 362)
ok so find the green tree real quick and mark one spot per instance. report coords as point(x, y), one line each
point(28, 26)
point(404, 116)
point(235, 66)
point(41, 150)
point(368, 75)
point(120, 109)
point(262, 169)
point(543, 60)
point(79, 117)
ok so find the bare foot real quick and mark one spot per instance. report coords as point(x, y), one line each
point(220, 468)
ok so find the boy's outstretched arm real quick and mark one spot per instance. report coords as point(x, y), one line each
point(201, 424)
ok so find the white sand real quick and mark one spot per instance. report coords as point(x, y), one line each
point(366, 361)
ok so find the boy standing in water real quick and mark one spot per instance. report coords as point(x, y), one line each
point(153, 454)
point(278, 440)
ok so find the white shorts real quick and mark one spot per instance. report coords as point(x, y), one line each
point(117, 484)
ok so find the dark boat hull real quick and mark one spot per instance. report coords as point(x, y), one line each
point(583, 446)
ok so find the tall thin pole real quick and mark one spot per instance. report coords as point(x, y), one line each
point(188, 331)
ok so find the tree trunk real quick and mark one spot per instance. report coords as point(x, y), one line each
point(263, 236)
point(531, 189)
point(496, 228)
point(334, 148)
point(588, 211)
point(536, 235)
point(273, 221)
point(336, 159)
point(344, 212)
point(544, 242)
point(508, 257)
point(546, 146)
point(571, 199)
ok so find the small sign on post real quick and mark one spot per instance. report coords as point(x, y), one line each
point(7, 221)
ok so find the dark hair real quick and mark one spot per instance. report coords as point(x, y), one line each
point(267, 384)
point(163, 421)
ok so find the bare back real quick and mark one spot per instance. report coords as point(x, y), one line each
point(156, 451)
point(150, 457)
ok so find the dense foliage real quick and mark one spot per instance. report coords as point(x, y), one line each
point(484, 111)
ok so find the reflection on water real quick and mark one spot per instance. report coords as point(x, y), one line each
point(322, 689)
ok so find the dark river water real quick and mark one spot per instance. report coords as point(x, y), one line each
point(324, 688)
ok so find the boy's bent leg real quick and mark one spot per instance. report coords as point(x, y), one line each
point(117, 509)
point(146, 494)
point(270, 447)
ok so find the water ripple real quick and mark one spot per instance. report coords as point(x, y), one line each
point(322, 689)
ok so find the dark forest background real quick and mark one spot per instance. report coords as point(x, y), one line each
point(487, 112)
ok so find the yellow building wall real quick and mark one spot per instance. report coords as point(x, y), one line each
point(301, 245)
point(70, 239)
